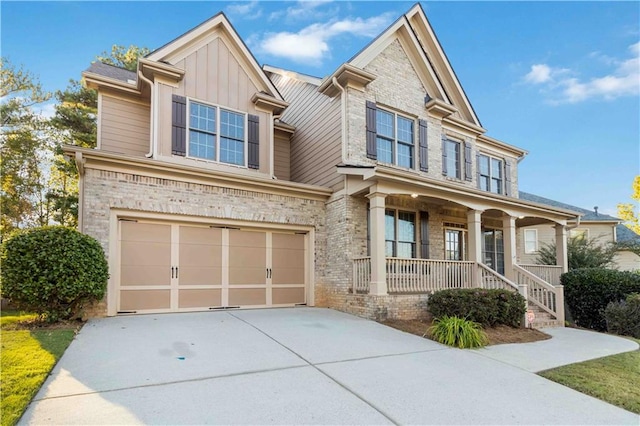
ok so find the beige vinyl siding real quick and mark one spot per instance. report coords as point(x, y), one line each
point(124, 126)
point(282, 154)
point(627, 261)
point(215, 75)
point(316, 145)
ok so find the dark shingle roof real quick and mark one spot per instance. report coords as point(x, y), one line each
point(111, 71)
point(586, 214)
point(626, 235)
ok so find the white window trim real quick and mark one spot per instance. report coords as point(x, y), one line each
point(395, 142)
point(535, 250)
point(503, 180)
point(464, 242)
point(416, 224)
point(217, 133)
point(460, 172)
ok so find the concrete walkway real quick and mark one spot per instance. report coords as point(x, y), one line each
point(292, 366)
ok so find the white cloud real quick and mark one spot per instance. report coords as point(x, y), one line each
point(624, 80)
point(45, 111)
point(305, 9)
point(246, 10)
point(312, 42)
point(539, 73)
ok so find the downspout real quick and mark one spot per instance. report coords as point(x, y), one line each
point(151, 119)
point(80, 166)
point(569, 227)
point(343, 97)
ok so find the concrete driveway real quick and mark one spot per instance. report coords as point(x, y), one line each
point(293, 366)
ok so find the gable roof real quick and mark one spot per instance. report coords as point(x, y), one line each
point(111, 71)
point(414, 28)
point(199, 34)
point(588, 215)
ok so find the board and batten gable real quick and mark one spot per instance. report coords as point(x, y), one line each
point(215, 74)
point(316, 145)
point(123, 124)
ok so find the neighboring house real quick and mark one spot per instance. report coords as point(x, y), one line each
point(600, 227)
point(220, 184)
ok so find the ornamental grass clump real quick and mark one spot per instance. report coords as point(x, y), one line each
point(458, 332)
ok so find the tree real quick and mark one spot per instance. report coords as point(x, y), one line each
point(75, 122)
point(123, 57)
point(582, 253)
point(628, 212)
point(23, 149)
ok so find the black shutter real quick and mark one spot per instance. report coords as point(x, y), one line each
point(422, 143)
point(424, 235)
point(507, 178)
point(467, 162)
point(371, 130)
point(444, 155)
point(478, 169)
point(179, 125)
point(254, 141)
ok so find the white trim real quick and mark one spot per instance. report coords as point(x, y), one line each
point(99, 122)
point(503, 180)
point(394, 153)
point(217, 132)
point(535, 240)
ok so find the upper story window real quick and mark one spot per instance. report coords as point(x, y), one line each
point(216, 134)
point(490, 171)
point(394, 139)
point(451, 159)
point(530, 241)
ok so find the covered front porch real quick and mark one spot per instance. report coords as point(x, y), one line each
point(422, 239)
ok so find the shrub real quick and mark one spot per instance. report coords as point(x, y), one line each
point(487, 307)
point(459, 332)
point(623, 317)
point(52, 271)
point(588, 291)
point(581, 253)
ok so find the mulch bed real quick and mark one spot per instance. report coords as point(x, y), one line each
point(497, 335)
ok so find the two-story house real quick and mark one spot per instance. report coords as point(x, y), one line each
point(220, 184)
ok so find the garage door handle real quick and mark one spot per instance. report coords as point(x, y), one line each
point(269, 272)
point(176, 272)
point(172, 272)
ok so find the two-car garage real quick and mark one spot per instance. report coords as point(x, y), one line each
point(171, 266)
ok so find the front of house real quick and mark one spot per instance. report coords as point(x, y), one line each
point(219, 184)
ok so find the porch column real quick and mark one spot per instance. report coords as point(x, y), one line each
point(509, 238)
point(378, 283)
point(474, 226)
point(562, 258)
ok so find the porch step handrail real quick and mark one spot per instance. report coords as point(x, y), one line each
point(549, 273)
point(542, 294)
point(491, 279)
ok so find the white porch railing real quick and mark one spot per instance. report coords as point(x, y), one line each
point(549, 273)
point(427, 275)
point(361, 274)
point(542, 294)
point(492, 280)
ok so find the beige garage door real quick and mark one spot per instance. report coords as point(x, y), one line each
point(175, 267)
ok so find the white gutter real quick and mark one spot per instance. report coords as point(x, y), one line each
point(151, 119)
point(343, 98)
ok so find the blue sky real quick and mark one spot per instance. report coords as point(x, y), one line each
point(559, 79)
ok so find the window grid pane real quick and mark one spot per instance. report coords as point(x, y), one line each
point(384, 124)
point(405, 130)
point(231, 137)
point(453, 159)
point(405, 155)
point(384, 148)
point(490, 174)
point(201, 145)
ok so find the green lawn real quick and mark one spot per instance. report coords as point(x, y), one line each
point(614, 379)
point(26, 359)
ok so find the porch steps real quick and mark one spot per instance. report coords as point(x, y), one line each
point(542, 318)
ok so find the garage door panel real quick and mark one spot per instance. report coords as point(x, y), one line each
point(200, 255)
point(288, 276)
point(200, 235)
point(248, 257)
point(290, 241)
point(131, 275)
point(284, 258)
point(282, 296)
point(238, 238)
point(247, 276)
point(209, 298)
point(145, 232)
point(200, 276)
point(136, 300)
point(247, 296)
point(146, 253)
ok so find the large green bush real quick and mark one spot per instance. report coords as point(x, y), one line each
point(487, 307)
point(52, 271)
point(623, 317)
point(588, 291)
